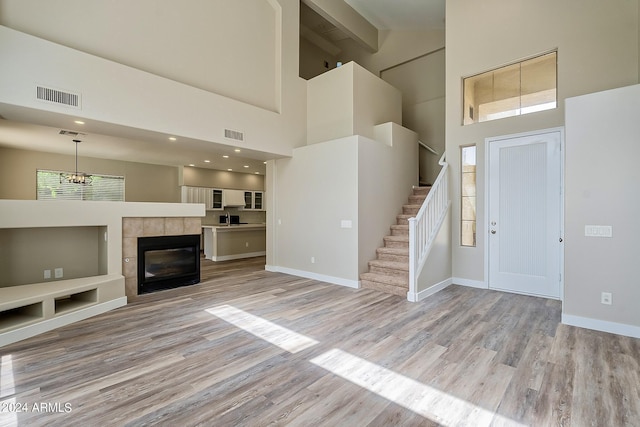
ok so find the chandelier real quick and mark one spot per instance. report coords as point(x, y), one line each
point(76, 177)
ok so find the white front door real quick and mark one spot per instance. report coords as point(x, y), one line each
point(524, 213)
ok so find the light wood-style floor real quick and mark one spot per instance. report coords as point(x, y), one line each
point(249, 347)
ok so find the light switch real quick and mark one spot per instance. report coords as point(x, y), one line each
point(346, 223)
point(598, 231)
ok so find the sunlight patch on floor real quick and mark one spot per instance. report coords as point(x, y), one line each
point(284, 338)
point(7, 384)
point(8, 417)
point(422, 399)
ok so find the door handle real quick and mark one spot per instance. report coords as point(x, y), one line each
point(493, 231)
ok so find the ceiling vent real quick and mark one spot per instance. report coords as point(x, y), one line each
point(70, 132)
point(57, 96)
point(234, 134)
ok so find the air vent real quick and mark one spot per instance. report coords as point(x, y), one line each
point(234, 134)
point(58, 97)
point(70, 132)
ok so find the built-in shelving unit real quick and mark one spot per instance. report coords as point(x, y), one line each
point(20, 316)
point(75, 301)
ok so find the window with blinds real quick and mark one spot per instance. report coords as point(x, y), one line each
point(52, 185)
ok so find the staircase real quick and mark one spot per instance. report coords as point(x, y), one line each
point(389, 272)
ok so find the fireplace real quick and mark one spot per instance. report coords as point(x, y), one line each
point(166, 262)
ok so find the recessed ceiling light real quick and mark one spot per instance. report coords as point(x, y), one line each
point(229, 170)
point(79, 122)
point(237, 150)
point(225, 156)
point(246, 166)
point(264, 163)
point(191, 164)
point(207, 161)
point(173, 138)
point(257, 173)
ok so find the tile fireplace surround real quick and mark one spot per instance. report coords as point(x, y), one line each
point(132, 228)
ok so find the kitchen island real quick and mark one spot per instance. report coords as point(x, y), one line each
point(225, 242)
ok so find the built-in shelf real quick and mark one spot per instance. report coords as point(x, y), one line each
point(20, 316)
point(75, 301)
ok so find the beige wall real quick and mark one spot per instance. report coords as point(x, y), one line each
point(395, 47)
point(601, 179)
point(26, 252)
point(597, 50)
point(200, 177)
point(437, 267)
point(143, 182)
point(387, 170)
point(354, 179)
point(414, 63)
point(168, 105)
point(349, 100)
point(312, 60)
point(316, 189)
point(422, 83)
point(108, 29)
point(342, 15)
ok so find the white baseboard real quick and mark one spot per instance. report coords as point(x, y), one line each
point(237, 256)
point(429, 291)
point(315, 276)
point(480, 284)
point(62, 320)
point(601, 325)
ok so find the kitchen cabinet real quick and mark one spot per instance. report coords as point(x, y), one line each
point(253, 200)
point(216, 200)
point(225, 242)
point(210, 197)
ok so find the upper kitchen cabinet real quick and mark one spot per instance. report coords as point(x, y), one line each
point(210, 197)
point(253, 200)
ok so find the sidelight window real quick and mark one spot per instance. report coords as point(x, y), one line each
point(468, 202)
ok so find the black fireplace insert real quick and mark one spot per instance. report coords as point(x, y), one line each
point(166, 262)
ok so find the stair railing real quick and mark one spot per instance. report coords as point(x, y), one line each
point(424, 227)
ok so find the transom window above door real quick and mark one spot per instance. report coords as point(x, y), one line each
point(521, 88)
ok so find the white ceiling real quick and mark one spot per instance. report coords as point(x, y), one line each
point(25, 128)
point(30, 129)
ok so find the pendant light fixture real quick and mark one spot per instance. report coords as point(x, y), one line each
point(77, 177)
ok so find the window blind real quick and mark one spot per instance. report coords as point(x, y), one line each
point(52, 185)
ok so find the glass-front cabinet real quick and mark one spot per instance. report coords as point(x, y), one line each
point(248, 200)
point(253, 200)
point(257, 200)
point(216, 202)
point(213, 200)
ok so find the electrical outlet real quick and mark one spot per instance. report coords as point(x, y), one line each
point(58, 273)
point(246, 244)
point(606, 298)
point(313, 260)
point(47, 274)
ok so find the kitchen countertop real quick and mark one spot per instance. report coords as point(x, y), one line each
point(236, 227)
